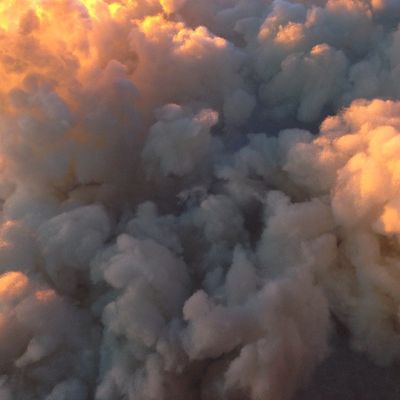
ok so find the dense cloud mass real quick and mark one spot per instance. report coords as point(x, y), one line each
point(194, 194)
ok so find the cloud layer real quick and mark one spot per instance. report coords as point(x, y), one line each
point(192, 192)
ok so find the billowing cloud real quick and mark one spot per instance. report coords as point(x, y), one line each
point(194, 194)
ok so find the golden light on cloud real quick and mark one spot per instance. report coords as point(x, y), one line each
point(12, 285)
point(290, 34)
point(45, 295)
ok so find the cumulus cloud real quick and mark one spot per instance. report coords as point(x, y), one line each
point(194, 194)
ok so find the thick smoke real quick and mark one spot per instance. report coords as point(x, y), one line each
point(195, 194)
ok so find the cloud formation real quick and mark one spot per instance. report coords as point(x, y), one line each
point(192, 193)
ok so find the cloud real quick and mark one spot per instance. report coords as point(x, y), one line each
point(192, 193)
